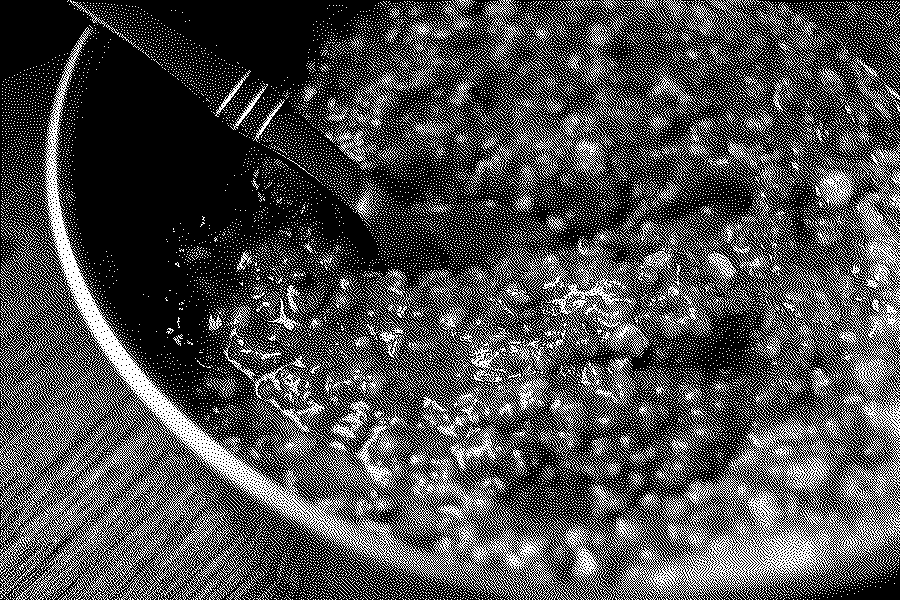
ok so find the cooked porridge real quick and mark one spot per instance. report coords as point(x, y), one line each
point(702, 356)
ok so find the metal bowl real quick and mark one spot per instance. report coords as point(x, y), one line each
point(128, 179)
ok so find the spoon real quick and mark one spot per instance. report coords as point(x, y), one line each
point(460, 234)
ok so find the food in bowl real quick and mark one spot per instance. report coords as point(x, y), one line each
point(699, 357)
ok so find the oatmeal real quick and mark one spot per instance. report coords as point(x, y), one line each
point(695, 360)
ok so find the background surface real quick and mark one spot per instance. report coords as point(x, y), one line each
point(96, 498)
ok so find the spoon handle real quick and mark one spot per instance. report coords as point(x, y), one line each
point(206, 75)
point(244, 102)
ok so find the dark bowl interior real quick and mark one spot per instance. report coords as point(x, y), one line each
point(156, 175)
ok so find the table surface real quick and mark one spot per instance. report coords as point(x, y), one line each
point(97, 499)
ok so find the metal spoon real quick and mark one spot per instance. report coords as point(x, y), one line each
point(253, 108)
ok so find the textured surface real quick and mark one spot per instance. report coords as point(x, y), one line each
point(731, 136)
point(93, 491)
